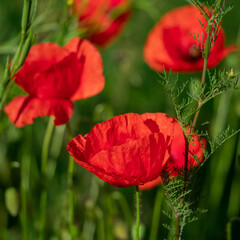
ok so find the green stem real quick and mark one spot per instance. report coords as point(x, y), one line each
point(229, 231)
point(206, 56)
point(204, 72)
point(229, 227)
point(156, 215)
point(24, 207)
point(43, 206)
point(172, 227)
point(137, 213)
point(21, 54)
point(43, 199)
point(64, 24)
point(218, 4)
point(100, 224)
point(177, 227)
point(46, 143)
point(70, 186)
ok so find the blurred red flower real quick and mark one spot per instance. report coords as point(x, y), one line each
point(170, 44)
point(176, 161)
point(126, 150)
point(103, 20)
point(54, 77)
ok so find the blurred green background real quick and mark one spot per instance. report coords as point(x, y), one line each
point(131, 86)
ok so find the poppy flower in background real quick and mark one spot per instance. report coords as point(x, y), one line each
point(103, 20)
point(53, 77)
point(170, 45)
point(126, 150)
point(176, 161)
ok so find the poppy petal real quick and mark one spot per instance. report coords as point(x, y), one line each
point(22, 110)
point(40, 58)
point(116, 165)
point(59, 81)
point(151, 184)
point(116, 131)
point(176, 161)
point(109, 34)
point(171, 46)
point(102, 20)
point(92, 81)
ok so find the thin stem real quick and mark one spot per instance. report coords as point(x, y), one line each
point(46, 143)
point(156, 214)
point(229, 231)
point(24, 207)
point(178, 233)
point(64, 24)
point(206, 55)
point(43, 206)
point(21, 53)
point(186, 162)
point(100, 225)
point(218, 4)
point(43, 199)
point(137, 213)
point(229, 227)
point(70, 186)
point(177, 226)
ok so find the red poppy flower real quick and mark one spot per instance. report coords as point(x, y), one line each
point(54, 77)
point(176, 161)
point(126, 150)
point(103, 20)
point(170, 44)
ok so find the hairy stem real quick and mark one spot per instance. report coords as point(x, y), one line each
point(43, 199)
point(70, 186)
point(137, 214)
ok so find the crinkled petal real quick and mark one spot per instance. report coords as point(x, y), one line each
point(23, 110)
point(116, 131)
point(92, 80)
point(40, 58)
point(159, 123)
point(177, 155)
point(132, 163)
point(59, 81)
